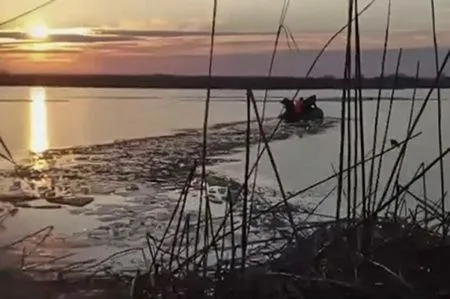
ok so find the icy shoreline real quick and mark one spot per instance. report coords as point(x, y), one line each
point(135, 185)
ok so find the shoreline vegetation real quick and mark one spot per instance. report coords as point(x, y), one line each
point(217, 82)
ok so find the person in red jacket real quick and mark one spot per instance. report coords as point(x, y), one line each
point(299, 106)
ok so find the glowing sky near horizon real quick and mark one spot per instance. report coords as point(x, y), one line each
point(106, 36)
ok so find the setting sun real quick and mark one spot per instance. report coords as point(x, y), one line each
point(38, 32)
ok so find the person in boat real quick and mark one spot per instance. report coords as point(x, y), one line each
point(294, 108)
point(299, 106)
point(289, 107)
point(301, 109)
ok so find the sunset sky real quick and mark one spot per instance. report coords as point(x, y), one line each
point(172, 36)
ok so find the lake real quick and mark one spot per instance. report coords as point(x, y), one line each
point(38, 119)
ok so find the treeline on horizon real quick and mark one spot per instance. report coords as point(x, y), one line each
point(217, 82)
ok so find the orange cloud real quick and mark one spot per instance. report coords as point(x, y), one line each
point(71, 51)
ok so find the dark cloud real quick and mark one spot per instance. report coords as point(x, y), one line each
point(70, 38)
point(74, 38)
point(174, 33)
point(13, 34)
point(112, 36)
point(13, 50)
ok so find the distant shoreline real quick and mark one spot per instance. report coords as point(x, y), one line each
point(217, 82)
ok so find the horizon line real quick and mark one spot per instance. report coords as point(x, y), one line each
point(5, 73)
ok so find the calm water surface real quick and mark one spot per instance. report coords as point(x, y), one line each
point(63, 117)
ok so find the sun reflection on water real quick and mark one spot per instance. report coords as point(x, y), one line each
point(38, 121)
